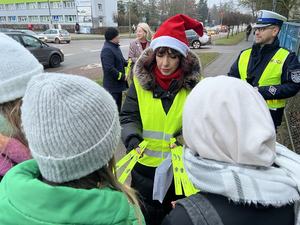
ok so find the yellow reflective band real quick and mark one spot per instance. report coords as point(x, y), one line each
point(120, 76)
point(181, 179)
point(128, 67)
point(133, 156)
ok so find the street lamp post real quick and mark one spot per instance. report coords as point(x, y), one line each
point(129, 18)
point(50, 12)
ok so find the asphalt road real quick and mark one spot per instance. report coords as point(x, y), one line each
point(84, 53)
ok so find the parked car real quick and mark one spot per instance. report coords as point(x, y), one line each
point(195, 40)
point(46, 55)
point(57, 36)
point(32, 33)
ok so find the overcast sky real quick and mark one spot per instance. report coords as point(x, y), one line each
point(210, 3)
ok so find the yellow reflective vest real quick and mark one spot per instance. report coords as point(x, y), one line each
point(158, 127)
point(271, 74)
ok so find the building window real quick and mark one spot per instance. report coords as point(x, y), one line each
point(22, 19)
point(11, 7)
point(2, 19)
point(70, 18)
point(100, 7)
point(2, 7)
point(33, 5)
point(56, 5)
point(12, 19)
point(33, 18)
point(57, 18)
point(44, 5)
point(21, 6)
point(69, 4)
point(45, 19)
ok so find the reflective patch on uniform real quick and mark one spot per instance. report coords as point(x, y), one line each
point(295, 76)
point(272, 90)
point(277, 61)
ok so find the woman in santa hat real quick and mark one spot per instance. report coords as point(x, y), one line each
point(152, 113)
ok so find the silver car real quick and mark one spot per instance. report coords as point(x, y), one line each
point(30, 32)
point(57, 36)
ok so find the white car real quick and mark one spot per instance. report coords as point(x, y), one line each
point(32, 33)
point(195, 40)
point(57, 36)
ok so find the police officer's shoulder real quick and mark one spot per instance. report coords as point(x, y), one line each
point(245, 50)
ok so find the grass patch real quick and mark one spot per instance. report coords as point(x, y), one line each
point(207, 57)
point(232, 40)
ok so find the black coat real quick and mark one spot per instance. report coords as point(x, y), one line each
point(113, 62)
point(143, 176)
point(236, 214)
point(259, 59)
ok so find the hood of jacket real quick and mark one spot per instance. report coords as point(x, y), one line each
point(24, 199)
point(146, 78)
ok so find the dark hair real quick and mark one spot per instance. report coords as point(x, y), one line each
point(12, 113)
point(111, 33)
point(186, 63)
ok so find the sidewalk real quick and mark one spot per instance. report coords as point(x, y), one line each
point(228, 54)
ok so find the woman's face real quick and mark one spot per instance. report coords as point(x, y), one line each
point(167, 62)
point(140, 34)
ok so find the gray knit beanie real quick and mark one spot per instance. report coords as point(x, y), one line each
point(17, 66)
point(71, 124)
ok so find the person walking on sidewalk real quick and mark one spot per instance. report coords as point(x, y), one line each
point(231, 156)
point(113, 64)
point(163, 76)
point(73, 130)
point(248, 31)
point(272, 70)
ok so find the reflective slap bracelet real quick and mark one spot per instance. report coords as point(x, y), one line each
point(132, 157)
point(181, 179)
point(128, 67)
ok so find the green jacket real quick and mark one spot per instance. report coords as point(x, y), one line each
point(25, 200)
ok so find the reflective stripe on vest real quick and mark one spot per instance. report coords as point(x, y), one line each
point(271, 74)
point(158, 128)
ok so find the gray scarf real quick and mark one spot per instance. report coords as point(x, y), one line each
point(275, 186)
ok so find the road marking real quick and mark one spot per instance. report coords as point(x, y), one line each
point(91, 66)
point(124, 46)
point(69, 54)
point(95, 50)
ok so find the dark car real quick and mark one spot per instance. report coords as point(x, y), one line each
point(46, 55)
point(195, 40)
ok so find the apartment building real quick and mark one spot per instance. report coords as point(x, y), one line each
point(88, 13)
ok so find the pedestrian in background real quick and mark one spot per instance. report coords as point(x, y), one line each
point(73, 129)
point(231, 156)
point(163, 76)
point(272, 70)
point(17, 67)
point(142, 41)
point(248, 31)
point(113, 65)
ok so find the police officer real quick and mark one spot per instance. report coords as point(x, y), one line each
point(272, 70)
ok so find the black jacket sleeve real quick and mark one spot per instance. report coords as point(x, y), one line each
point(108, 63)
point(131, 120)
point(234, 70)
point(290, 81)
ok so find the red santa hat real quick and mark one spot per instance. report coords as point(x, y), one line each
point(172, 33)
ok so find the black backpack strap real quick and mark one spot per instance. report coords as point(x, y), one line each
point(200, 210)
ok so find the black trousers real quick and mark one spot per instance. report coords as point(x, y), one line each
point(118, 99)
point(277, 116)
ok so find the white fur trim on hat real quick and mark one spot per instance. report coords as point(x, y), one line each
point(167, 41)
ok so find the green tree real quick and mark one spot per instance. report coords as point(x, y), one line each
point(202, 10)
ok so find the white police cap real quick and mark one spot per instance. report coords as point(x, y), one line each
point(266, 18)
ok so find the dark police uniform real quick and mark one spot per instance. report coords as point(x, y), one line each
point(290, 75)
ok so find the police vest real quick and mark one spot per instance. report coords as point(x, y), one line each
point(158, 127)
point(271, 74)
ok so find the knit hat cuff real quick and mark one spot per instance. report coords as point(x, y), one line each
point(16, 86)
point(61, 170)
point(167, 41)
